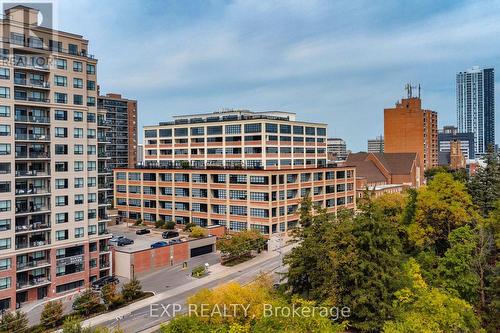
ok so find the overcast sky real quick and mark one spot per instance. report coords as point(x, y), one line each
point(339, 62)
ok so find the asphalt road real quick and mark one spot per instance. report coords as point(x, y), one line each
point(152, 315)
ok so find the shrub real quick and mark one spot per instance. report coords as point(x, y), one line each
point(138, 222)
point(159, 224)
point(132, 290)
point(170, 225)
point(199, 271)
point(14, 322)
point(110, 296)
point(189, 226)
point(86, 303)
point(198, 232)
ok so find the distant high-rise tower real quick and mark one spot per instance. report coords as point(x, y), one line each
point(476, 106)
point(376, 145)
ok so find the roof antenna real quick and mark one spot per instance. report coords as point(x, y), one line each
point(419, 90)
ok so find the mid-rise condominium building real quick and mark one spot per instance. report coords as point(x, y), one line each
point(53, 237)
point(376, 145)
point(240, 169)
point(449, 135)
point(336, 149)
point(410, 129)
point(476, 106)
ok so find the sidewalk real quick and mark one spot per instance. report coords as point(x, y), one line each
point(217, 271)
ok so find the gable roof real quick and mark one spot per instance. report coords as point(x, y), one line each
point(393, 163)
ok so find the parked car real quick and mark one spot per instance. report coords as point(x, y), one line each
point(158, 244)
point(169, 234)
point(99, 283)
point(115, 239)
point(175, 240)
point(143, 231)
point(124, 241)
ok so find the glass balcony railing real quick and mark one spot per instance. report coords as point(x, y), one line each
point(32, 282)
point(32, 83)
point(32, 137)
point(32, 264)
point(32, 119)
point(32, 226)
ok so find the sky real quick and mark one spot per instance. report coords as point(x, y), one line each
point(337, 62)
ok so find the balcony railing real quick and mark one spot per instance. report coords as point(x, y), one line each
point(32, 264)
point(32, 154)
point(26, 191)
point(32, 83)
point(81, 53)
point(34, 209)
point(32, 283)
point(33, 119)
point(102, 231)
point(24, 245)
point(32, 99)
point(33, 137)
point(32, 227)
point(31, 173)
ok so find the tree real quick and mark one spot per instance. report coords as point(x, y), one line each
point(442, 206)
point(159, 224)
point(189, 226)
point(132, 290)
point(86, 303)
point(14, 322)
point(170, 225)
point(353, 261)
point(420, 308)
point(241, 244)
point(72, 324)
point(52, 314)
point(197, 232)
point(110, 296)
point(484, 186)
point(456, 269)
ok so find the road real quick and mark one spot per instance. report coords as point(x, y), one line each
point(140, 318)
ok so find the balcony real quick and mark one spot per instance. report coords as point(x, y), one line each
point(32, 119)
point(32, 191)
point(27, 44)
point(23, 266)
point(32, 244)
point(32, 137)
point(103, 264)
point(32, 83)
point(25, 209)
point(38, 226)
point(34, 282)
point(32, 155)
point(32, 173)
point(102, 231)
point(18, 97)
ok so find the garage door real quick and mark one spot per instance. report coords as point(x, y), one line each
point(201, 250)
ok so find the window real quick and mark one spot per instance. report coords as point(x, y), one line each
point(4, 92)
point(91, 69)
point(4, 73)
point(92, 197)
point(233, 129)
point(73, 49)
point(60, 115)
point(78, 149)
point(164, 133)
point(310, 131)
point(62, 218)
point(79, 216)
point(4, 111)
point(238, 210)
point(181, 131)
point(259, 180)
point(5, 205)
point(4, 130)
point(150, 133)
point(5, 282)
point(61, 63)
point(321, 131)
point(237, 194)
point(4, 168)
point(90, 117)
point(69, 286)
point(237, 226)
point(61, 235)
point(4, 148)
point(61, 166)
point(214, 130)
point(61, 98)
point(78, 99)
point(91, 149)
point(285, 129)
point(92, 182)
point(79, 232)
point(298, 130)
point(78, 116)
point(79, 182)
point(61, 132)
point(61, 184)
point(90, 85)
point(78, 133)
point(61, 200)
point(60, 81)
point(91, 166)
point(77, 66)
point(79, 199)
point(258, 212)
point(252, 128)
point(4, 224)
point(90, 101)
point(197, 131)
point(5, 264)
point(92, 230)
point(91, 134)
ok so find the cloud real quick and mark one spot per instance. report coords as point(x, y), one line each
point(340, 62)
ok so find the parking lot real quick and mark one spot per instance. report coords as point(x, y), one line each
point(141, 242)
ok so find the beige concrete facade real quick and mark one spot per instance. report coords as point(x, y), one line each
point(53, 234)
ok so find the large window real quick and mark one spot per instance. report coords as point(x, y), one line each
point(252, 128)
point(214, 130)
point(4, 92)
point(233, 129)
point(4, 148)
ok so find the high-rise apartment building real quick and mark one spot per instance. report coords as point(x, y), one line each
point(450, 134)
point(410, 129)
point(376, 145)
point(476, 106)
point(240, 169)
point(53, 236)
point(336, 149)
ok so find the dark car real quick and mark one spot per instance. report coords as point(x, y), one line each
point(169, 234)
point(98, 284)
point(143, 231)
point(158, 244)
point(124, 241)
